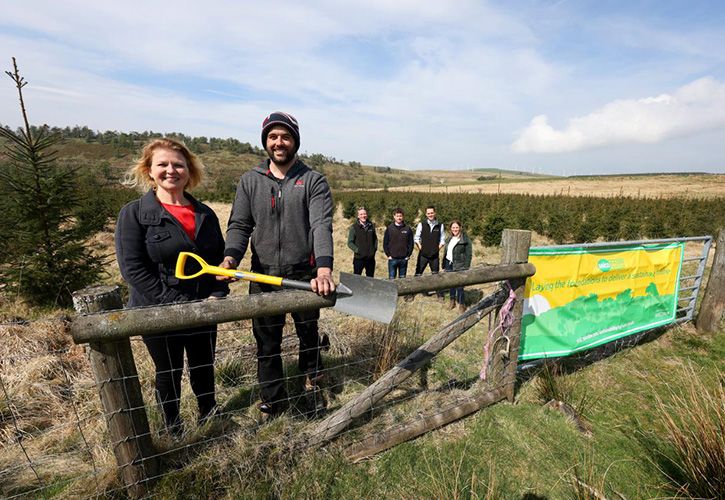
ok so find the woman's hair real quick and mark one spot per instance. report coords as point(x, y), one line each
point(138, 175)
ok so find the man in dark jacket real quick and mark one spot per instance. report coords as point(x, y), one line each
point(285, 209)
point(363, 241)
point(398, 245)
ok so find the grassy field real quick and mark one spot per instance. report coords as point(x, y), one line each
point(520, 450)
point(651, 186)
point(506, 451)
point(224, 167)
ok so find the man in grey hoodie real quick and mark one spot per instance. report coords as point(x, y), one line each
point(285, 209)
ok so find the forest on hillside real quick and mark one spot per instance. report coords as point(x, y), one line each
point(99, 160)
point(110, 153)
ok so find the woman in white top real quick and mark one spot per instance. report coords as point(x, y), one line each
point(458, 253)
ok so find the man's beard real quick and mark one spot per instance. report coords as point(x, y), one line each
point(288, 157)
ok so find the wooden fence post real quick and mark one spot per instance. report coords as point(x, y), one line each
point(115, 373)
point(713, 302)
point(515, 245)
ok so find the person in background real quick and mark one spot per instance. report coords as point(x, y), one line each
point(150, 233)
point(285, 210)
point(363, 241)
point(430, 237)
point(398, 245)
point(457, 257)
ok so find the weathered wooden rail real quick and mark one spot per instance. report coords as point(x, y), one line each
point(106, 328)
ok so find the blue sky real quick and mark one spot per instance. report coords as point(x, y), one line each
point(545, 86)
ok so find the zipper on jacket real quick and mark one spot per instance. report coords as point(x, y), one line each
point(279, 223)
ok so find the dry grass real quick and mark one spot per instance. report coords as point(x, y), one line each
point(586, 483)
point(692, 445)
point(102, 244)
point(447, 477)
point(553, 383)
point(651, 186)
point(49, 409)
point(38, 368)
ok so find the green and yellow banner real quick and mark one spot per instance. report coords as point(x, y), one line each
point(582, 297)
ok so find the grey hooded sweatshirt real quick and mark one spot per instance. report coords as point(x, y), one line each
point(289, 220)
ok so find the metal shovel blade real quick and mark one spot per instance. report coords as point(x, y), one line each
point(371, 298)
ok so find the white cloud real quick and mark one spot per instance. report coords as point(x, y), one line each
point(696, 107)
point(452, 71)
point(411, 83)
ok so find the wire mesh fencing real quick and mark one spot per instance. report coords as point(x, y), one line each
point(53, 427)
point(203, 389)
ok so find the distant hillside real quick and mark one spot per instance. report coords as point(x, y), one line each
point(107, 155)
point(642, 174)
point(509, 173)
point(110, 153)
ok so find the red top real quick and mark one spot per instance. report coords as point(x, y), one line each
point(185, 215)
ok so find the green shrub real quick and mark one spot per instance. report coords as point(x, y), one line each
point(492, 229)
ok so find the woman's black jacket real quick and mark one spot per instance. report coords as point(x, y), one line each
point(148, 242)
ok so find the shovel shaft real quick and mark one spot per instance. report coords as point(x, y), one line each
point(272, 280)
point(340, 289)
point(257, 278)
point(365, 297)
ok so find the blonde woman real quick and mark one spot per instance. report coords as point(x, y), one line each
point(150, 233)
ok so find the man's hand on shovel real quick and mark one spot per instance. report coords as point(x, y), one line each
point(323, 284)
point(228, 263)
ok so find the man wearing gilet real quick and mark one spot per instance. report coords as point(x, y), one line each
point(429, 239)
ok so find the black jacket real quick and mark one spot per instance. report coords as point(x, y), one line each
point(148, 242)
point(398, 241)
point(362, 240)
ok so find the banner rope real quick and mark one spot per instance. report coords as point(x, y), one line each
point(505, 320)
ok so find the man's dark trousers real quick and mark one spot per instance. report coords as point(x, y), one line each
point(433, 262)
point(268, 334)
point(368, 264)
point(423, 262)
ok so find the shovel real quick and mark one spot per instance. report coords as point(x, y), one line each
point(356, 295)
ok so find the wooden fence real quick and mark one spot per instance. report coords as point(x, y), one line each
point(106, 328)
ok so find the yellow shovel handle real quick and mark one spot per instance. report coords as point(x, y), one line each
point(220, 271)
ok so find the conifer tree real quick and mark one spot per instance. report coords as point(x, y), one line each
point(44, 257)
